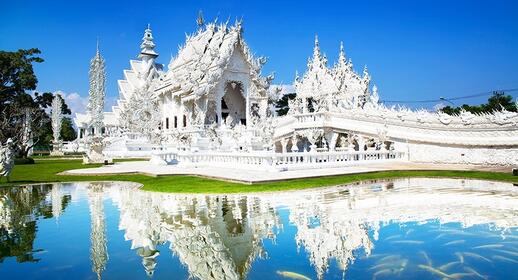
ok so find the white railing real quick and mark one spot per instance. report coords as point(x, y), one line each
point(275, 161)
point(310, 117)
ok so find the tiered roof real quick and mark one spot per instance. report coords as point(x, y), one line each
point(201, 62)
point(141, 74)
point(338, 83)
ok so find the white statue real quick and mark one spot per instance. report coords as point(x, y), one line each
point(7, 158)
point(95, 151)
point(57, 120)
point(343, 142)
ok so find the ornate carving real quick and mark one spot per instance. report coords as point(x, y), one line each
point(143, 114)
point(57, 119)
point(7, 153)
point(97, 91)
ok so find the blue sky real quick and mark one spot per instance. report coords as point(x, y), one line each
point(414, 50)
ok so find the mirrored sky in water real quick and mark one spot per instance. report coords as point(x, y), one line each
point(405, 228)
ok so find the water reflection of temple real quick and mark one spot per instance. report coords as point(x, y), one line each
point(215, 237)
point(220, 236)
point(327, 232)
point(98, 248)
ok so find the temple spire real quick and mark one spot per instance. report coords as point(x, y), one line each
point(200, 21)
point(98, 53)
point(97, 91)
point(147, 48)
point(316, 49)
point(341, 55)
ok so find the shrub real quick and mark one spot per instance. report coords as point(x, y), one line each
point(20, 161)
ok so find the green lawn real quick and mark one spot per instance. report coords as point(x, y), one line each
point(46, 171)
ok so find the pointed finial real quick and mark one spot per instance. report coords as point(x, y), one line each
point(316, 49)
point(341, 46)
point(148, 26)
point(200, 21)
point(366, 72)
point(97, 52)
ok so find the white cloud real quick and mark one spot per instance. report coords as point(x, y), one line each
point(285, 89)
point(75, 102)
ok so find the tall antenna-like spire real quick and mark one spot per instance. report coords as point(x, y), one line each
point(316, 50)
point(97, 52)
point(341, 55)
point(200, 21)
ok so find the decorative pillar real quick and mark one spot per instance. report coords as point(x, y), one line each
point(333, 138)
point(304, 105)
point(350, 144)
point(361, 143)
point(294, 144)
point(218, 111)
point(284, 143)
point(247, 109)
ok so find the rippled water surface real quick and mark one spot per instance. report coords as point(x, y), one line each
point(405, 228)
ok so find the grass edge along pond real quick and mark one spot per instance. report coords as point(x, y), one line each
point(45, 171)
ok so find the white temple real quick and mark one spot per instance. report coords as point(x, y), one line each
point(212, 106)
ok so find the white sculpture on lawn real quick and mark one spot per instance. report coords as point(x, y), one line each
point(213, 98)
point(7, 153)
point(57, 120)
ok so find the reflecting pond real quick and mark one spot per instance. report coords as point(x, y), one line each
point(405, 228)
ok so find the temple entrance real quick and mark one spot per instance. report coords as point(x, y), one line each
point(233, 104)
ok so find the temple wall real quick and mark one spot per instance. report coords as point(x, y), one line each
point(420, 152)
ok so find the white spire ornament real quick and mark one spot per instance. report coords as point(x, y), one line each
point(353, 89)
point(200, 21)
point(317, 85)
point(147, 48)
point(142, 111)
point(97, 92)
point(56, 121)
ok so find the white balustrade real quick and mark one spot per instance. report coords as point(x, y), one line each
point(277, 161)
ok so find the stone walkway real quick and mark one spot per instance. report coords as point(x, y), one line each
point(258, 176)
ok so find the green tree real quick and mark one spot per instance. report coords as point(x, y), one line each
point(68, 133)
point(282, 104)
point(497, 102)
point(23, 115)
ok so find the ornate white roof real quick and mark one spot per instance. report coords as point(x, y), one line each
point(318, 80)
point(201, 62)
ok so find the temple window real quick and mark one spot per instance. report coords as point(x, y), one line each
point(175, 122)
point(184, 121)
point(166, 123)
